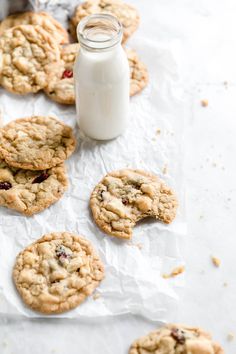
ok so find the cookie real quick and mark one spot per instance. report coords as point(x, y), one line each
point(176, 339)
point(27, 53)
point(57, 272)
point(43, 19)
point(30, 192)
point(36, 143)
point(61, 81)
point(138, 72)
point(126, 14)
point(126, 196)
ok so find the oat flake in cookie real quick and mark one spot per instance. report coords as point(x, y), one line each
point(43, 19)
point(57, 272)
point(30, 192)
point(27, 53)
point(36, 143)
point(126, 14)
point(176, 339)
point(126, 196)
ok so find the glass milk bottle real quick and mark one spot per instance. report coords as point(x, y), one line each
point(101, 74)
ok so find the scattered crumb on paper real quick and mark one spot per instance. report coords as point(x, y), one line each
point(204, 103)
point(225, 284)
point(176, 271)
point(165, 170)
point(138, 244)
point(225, 83)
point(96, 296)
point(158, 131)
point(230, 337)
point(216, 261)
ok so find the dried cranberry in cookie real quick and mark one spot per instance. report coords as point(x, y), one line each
point(67, 74)
point(124, 197)
point(176, 339)
point(42, 177)
point(57, 272)
point(5, 185)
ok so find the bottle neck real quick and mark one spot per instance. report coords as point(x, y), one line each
point(98, 33)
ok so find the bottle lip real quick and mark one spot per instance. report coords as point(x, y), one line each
point(109, 31)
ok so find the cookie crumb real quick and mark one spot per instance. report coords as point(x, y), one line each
point(176, 271)
point(138, 245)
point(201, 217)
point(225, 284)
point(216, 261)
point(230, 337)
point(225, 83)
point(214, 164)
point(158, 131)
point(204, 103)
point(165, 170)
point(96, 296)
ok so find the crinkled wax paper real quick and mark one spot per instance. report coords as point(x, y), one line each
point(152, 141)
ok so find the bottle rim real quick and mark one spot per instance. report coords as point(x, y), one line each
point(99, 31)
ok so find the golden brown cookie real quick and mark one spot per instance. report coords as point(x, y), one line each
point(126, 14)
point(36, 143)
point(57, 272)
point(176, 339)
point(61, 81)
point(126, 196)
point(43, 19)
point(27, 52)
point(60, 86)
point(30, 192)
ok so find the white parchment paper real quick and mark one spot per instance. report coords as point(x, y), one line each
point(152, 141)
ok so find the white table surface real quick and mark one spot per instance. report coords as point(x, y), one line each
point(207, 29)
